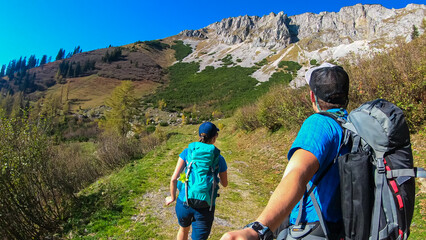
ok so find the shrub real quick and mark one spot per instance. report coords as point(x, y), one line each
point(261, 63)
point(115, 150)
point(149, 142)
point(32, 200)
point(181, 50)
point(290, 66)
point(150, 128)
point(156, 44)
point(313, 62)
point(164, 124)
point(281, 77)
point(397, 76)
point(246, 118)
point(227, 60)
point(281, 107)
point(74, 167)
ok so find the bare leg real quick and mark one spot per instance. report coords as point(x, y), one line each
point(183, 233)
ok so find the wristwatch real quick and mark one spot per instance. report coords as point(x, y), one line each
point(263, 231)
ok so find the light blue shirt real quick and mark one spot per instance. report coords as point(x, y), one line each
point(322, 136)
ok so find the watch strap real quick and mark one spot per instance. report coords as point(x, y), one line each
point(263, 231)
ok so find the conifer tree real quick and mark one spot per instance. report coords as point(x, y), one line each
point(61, 54)
point(2, 71)
point(43, 60)
point(415, 33)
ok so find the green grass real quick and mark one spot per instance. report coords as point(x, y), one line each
point(105, 209)
point(256, 162)
point(224, 89)
point(418, 224)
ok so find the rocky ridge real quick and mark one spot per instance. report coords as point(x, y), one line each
point(327, 36)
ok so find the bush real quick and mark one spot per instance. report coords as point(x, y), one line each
point(181, 50)
point(281, 107)
point(156, 44)
point(281, 77)
point(227, 60)
point(261, 63)
point(32, 200)
point(397, 76)
point(115, 150)
point(75, 167)
point(246, 118)
point(149, 142)
point(290, 66)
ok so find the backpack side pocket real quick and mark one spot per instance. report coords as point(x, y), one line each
point(356, 189)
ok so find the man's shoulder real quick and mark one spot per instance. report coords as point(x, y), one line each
point(318, 120)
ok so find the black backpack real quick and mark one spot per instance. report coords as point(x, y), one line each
point(377, 176)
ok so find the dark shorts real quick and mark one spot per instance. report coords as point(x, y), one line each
point(200, 218)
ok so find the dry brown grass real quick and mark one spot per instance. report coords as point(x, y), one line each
point(92, 91)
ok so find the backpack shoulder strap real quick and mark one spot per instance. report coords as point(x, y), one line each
point(310, 189)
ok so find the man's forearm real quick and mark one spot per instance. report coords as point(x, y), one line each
point(285, 197)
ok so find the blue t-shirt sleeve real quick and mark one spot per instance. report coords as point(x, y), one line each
point(317, 135)
point(222, 164)
point(184, 155)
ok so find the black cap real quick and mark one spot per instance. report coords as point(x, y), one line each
point(329, 83)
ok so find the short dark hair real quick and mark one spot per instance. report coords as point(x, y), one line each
point(325, 105)
point(331, 85)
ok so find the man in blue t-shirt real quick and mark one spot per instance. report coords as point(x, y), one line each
point(314, 148)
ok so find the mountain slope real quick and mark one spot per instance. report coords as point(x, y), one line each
point(327, 36)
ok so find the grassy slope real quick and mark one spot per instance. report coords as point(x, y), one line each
point(224, 88)
point(128, 204)
point(92, 91)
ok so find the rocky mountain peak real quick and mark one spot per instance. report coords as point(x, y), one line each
point(324, 36)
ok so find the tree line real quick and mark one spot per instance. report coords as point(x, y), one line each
point(21, 65)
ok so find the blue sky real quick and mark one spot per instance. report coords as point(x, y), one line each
point(44, 26)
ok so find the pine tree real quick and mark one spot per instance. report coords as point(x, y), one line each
point(77, 50)
point(43, 60)
point(415, 33)
point(61, 54)
point(32, 62)
point(2, 71)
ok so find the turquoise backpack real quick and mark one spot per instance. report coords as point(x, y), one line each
point(202, 166)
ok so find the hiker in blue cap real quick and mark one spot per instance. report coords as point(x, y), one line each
point(311, 154)
point(199, 169)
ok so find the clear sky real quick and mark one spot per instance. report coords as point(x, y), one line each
point(44, 26)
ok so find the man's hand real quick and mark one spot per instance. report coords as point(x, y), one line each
point(169, 200)
point(244, 234)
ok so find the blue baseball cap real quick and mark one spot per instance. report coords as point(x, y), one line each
point(209, 129)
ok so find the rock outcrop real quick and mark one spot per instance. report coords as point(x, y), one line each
point(324, 36)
